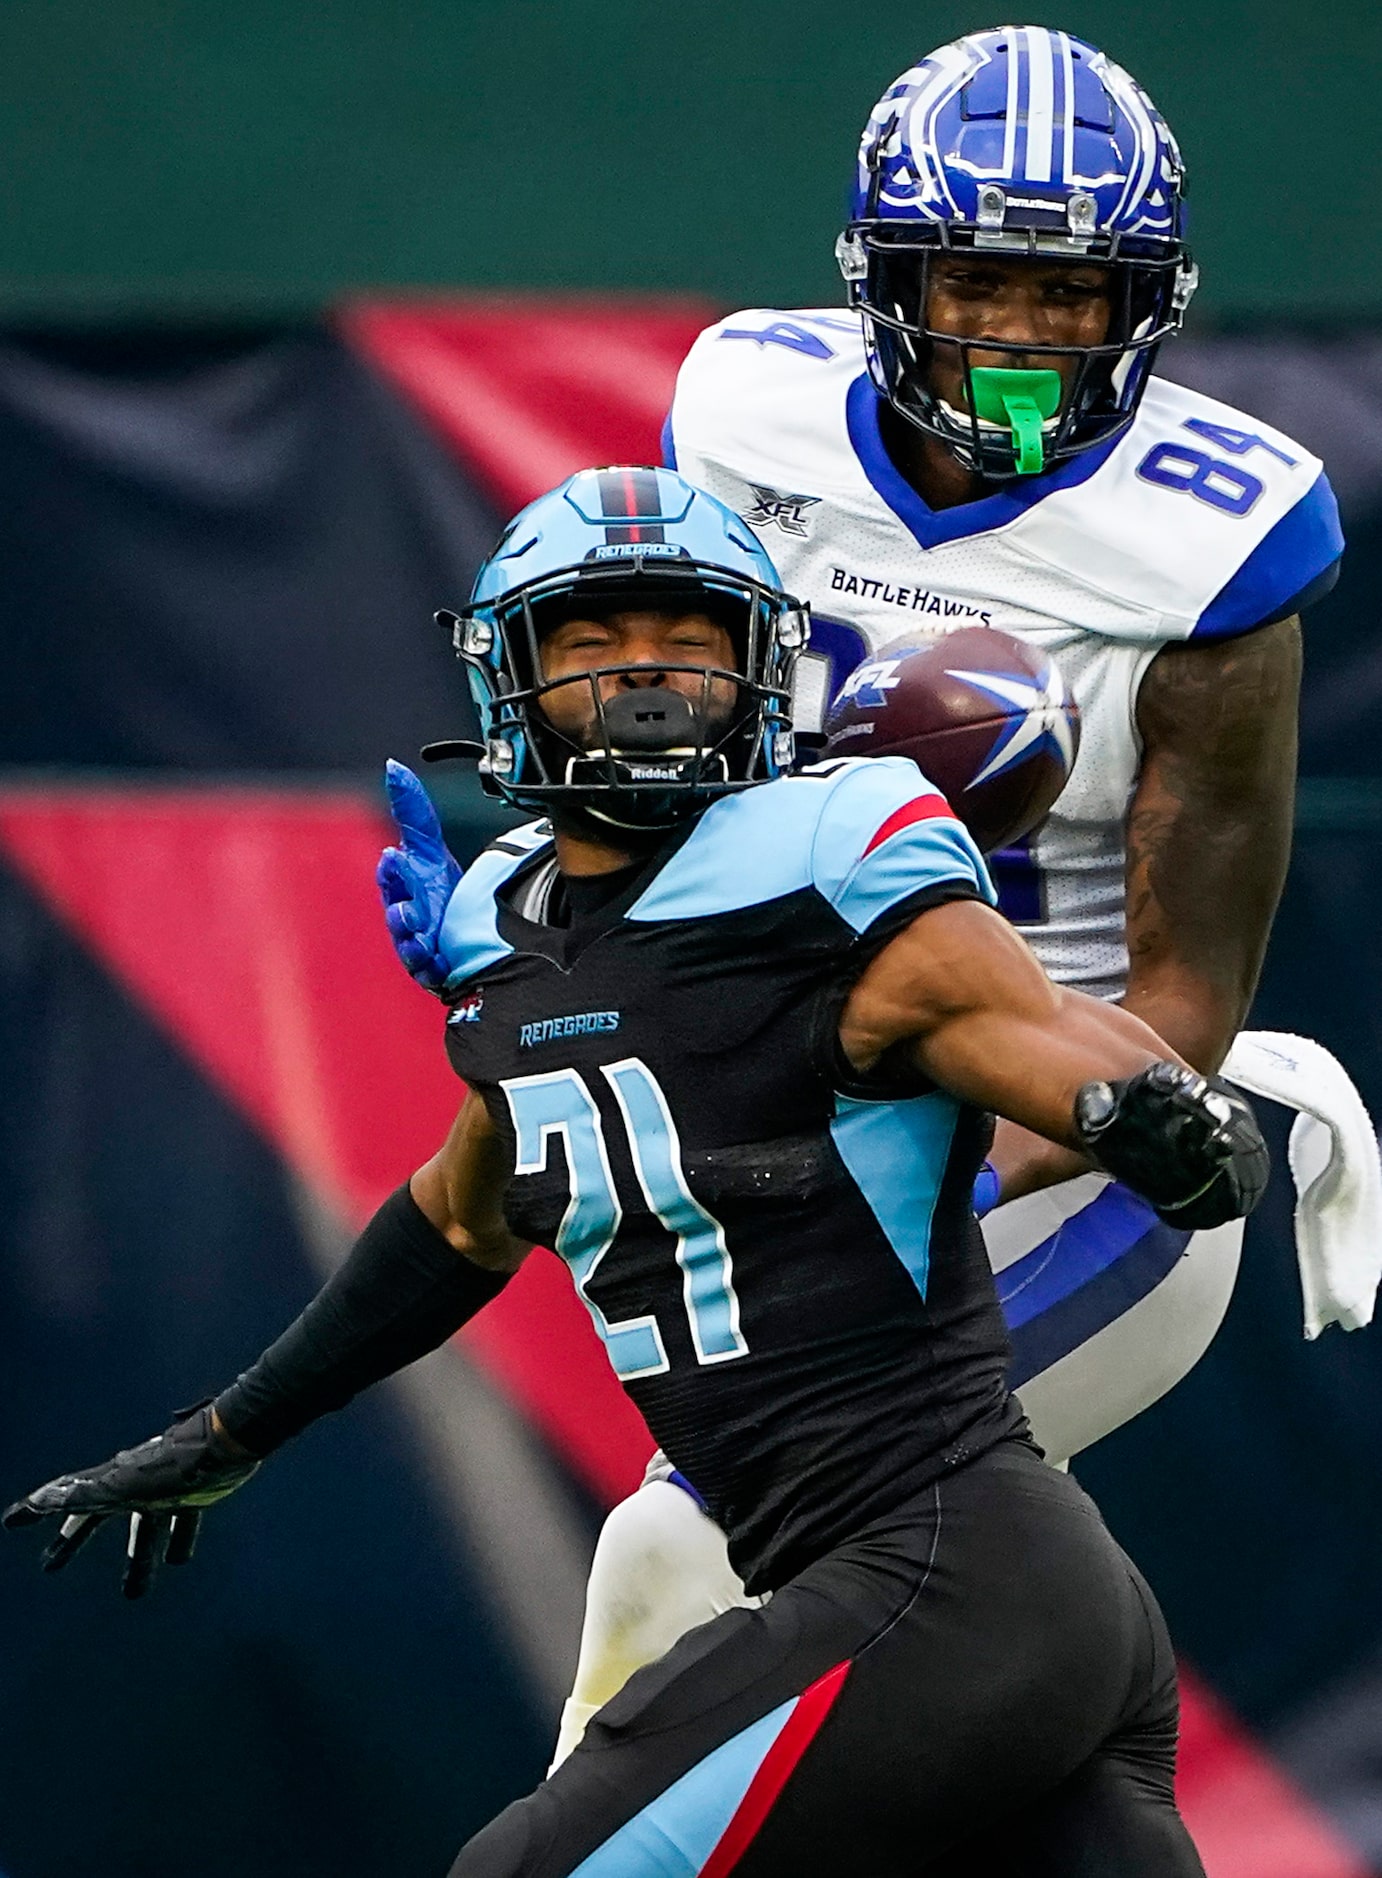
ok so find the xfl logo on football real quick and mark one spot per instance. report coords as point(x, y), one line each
point(868, 684)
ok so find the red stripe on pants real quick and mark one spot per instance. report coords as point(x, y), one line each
point(798, 1732)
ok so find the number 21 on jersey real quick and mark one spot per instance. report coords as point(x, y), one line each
point(560, 1103)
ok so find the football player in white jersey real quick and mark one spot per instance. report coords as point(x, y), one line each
point(978, 439)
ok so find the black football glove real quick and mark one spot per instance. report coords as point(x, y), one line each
point(1190, 1144)
point(162, 1485)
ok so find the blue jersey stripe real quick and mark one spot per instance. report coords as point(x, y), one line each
point(745, 850)
point(1100, 1263)
point(931, 527)
point(896, 1154)
point(1289, 559)
point(1081, 1247)
point(674, 1835)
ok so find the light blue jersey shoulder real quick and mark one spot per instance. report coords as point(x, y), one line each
point(866, 833)
point(469, 930)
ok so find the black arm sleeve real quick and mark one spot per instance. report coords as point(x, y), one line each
point(402, 1291)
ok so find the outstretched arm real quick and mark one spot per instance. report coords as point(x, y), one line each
point(433, 1255)
point(959, 992)
point(1209, 839)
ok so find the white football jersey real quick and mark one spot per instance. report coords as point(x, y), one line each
point(1196, 523)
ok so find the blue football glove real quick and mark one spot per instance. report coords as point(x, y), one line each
point(416, 879)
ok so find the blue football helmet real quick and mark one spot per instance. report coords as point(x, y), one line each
point(611, 540)
point(1027, 143)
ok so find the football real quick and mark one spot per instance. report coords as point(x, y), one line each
point(986, 718)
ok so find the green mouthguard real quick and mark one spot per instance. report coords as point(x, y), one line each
point(1021, 400)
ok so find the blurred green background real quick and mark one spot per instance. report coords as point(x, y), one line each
point(175, 154)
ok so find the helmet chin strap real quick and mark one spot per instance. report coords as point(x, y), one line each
point(1021, 402)
point(645, 729)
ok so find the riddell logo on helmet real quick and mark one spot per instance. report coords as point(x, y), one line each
point(911, 599)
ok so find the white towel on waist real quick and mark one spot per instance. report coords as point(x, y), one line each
point(1336, 1168)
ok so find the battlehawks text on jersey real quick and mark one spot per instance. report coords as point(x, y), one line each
point(787, 1277)
point(1198, 522)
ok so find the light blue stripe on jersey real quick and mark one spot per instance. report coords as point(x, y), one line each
point(744, 850)
point(674, 1835)
point(813, 830)
point(862, 886)
point(1305, 543)
point(469, 931)
point(896, 1154)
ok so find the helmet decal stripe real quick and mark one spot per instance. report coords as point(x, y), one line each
point(1067, 80)
point(628, 494)
point(1040, 104)
point(1010, 117)
point(946, 79)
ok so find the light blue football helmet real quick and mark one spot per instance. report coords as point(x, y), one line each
point(1029, 143)
point(609, 540)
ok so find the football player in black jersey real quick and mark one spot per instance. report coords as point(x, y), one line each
point(732, 1038)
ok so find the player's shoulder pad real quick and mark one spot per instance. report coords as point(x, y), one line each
point(757, 389)
point(1207, 520)
point(865, 833)
point(470, 938)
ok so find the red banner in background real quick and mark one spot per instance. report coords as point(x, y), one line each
point(247, 923)
point(528, 391)
point(1247, 1818)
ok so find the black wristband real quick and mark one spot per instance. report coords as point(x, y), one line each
point(402, 1291)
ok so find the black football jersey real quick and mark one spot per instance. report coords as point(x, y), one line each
point(784, 1268)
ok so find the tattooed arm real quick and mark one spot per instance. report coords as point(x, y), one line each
point(1209, 837)
point(1209, 832)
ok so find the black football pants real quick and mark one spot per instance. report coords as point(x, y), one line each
point(978, 1685)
